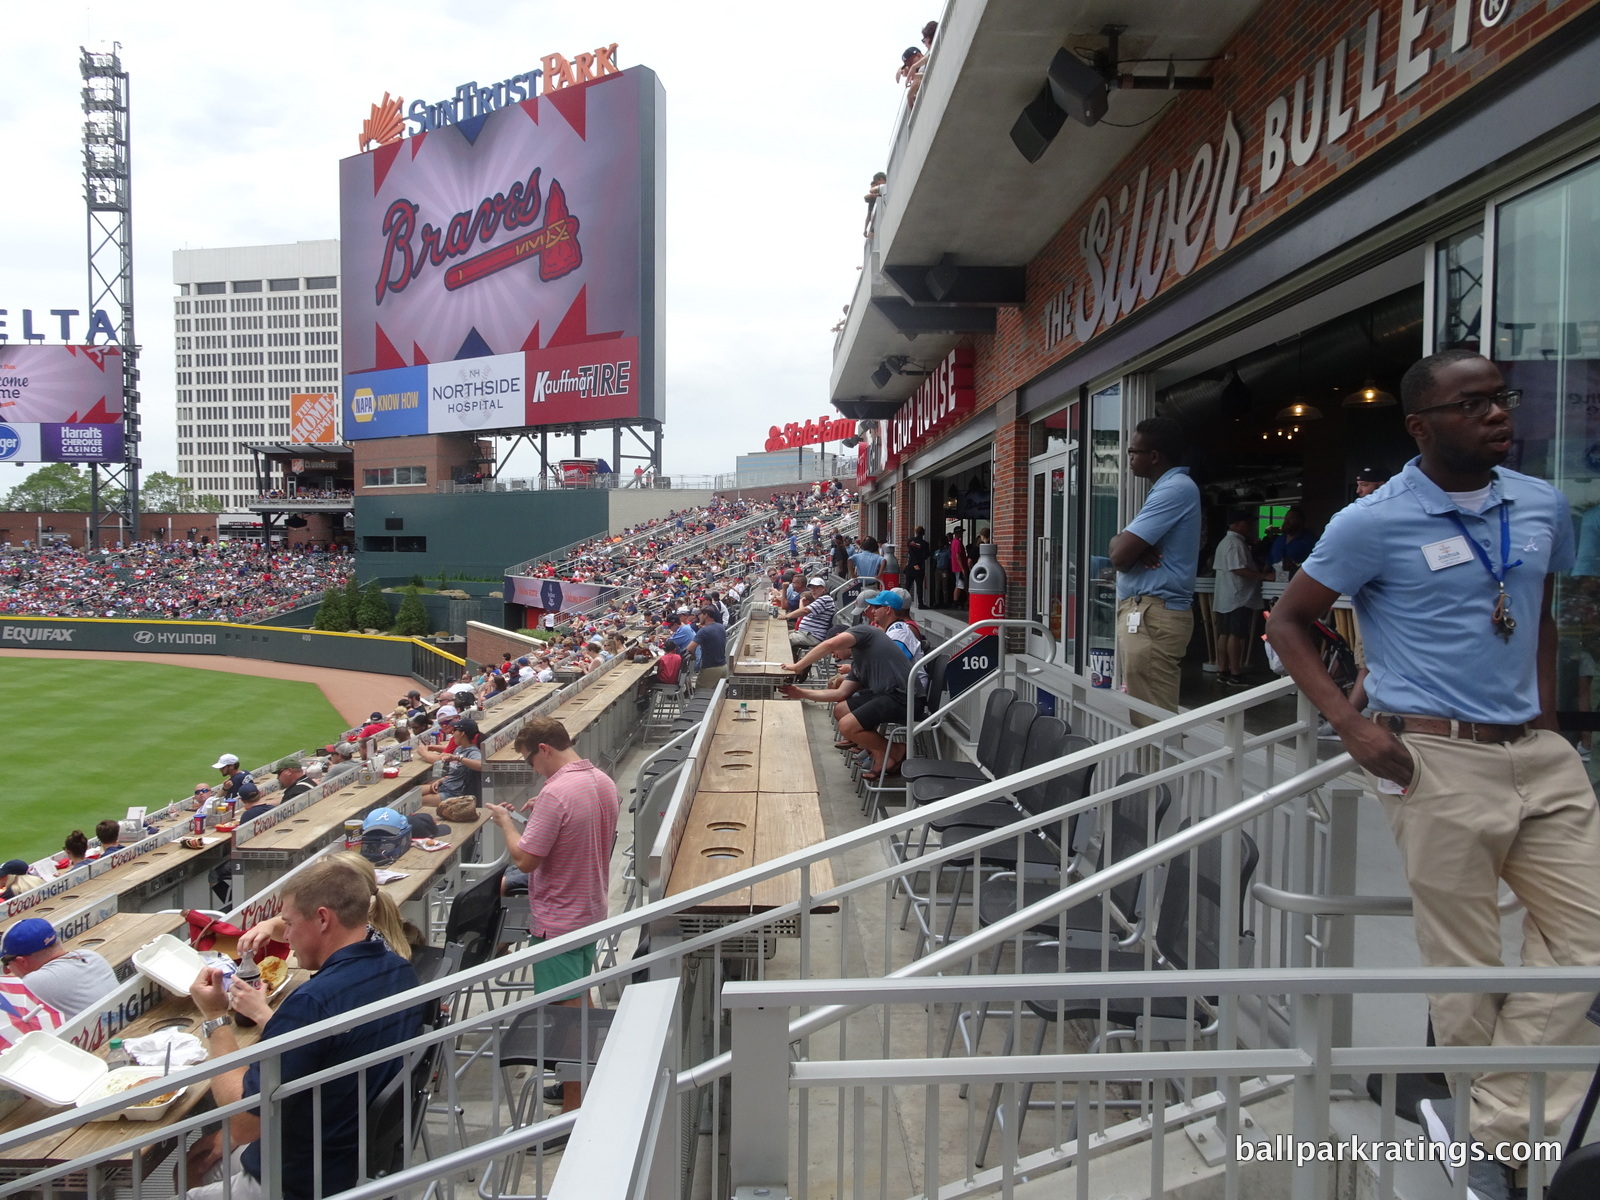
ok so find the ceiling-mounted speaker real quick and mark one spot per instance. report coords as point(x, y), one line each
point(1038, 125)
point(1077, 89)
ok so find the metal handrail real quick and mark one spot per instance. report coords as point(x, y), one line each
point(913, 726)
point(952, 954)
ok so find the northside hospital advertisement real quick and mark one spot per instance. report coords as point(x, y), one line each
point(60, 404)
point(501, 272)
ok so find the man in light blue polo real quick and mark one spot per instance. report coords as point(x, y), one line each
point(1155, 558)
point(1451, 567)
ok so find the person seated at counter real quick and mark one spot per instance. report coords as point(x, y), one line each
point(109, 834)
point(325, 913)
point(463, 763)
point(69, 981)
point(881, 671)
point(75, 850)
point(341, 759)
point(292, 782)
point(16, 877)
point(237, 785)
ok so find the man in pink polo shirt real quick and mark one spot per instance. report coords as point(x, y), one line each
point(566, 851)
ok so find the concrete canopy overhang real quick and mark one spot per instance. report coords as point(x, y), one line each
point(960, 193)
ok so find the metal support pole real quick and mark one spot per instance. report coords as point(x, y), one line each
point(758, 1146)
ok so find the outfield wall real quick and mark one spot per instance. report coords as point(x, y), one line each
point(378, 654)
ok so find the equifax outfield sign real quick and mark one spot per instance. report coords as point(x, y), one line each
point(1135, 232)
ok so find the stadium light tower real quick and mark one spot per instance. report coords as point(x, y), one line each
point(107, 190)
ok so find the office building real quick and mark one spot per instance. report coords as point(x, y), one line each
point(254, 325)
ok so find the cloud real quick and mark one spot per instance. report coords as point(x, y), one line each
point(776, 118)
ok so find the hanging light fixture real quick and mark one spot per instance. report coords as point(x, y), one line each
point(1300, 408)
point(1369, 395)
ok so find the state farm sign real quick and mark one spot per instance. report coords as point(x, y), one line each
point(944, 399)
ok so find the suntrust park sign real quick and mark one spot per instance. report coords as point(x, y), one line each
point(1141, 237)
point(945, 397)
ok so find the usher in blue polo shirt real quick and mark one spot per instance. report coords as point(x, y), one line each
point(1169, 521)
point(1432, 649)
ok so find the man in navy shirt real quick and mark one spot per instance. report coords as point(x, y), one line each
point(1155, 560)
point(712, 640)
point(325, 916)
point(1451, 566)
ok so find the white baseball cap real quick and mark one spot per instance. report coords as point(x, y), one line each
point(227, 760)
point(817, 583)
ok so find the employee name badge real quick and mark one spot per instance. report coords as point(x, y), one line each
point(1133, 620)
point(1449, 553)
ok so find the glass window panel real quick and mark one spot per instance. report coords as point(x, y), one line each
point(1547, 342)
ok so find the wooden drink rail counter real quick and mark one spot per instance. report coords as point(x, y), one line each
point(756, 800)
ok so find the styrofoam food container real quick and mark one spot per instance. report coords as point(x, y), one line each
point(170, 961)
point(43, 1066)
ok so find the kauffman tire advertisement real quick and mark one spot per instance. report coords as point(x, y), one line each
point(527, 240)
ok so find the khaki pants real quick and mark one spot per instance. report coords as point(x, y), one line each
point(1150, 655)
point(1523, 812)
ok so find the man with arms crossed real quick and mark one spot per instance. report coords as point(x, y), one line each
point(1155, 559)
point(565, 850)
point(1451, 566)
point(325, 919)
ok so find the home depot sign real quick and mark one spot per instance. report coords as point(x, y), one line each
point(944, 400)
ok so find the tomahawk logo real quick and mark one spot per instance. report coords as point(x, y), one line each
point(144, 637)
point(32, 633)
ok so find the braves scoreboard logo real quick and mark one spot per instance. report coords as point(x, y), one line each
point(408, 250)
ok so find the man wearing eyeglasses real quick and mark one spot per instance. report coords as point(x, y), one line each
point(1451, 566)
point(1155, 560)
point(565, 850)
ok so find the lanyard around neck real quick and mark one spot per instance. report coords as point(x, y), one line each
point(1483, 555)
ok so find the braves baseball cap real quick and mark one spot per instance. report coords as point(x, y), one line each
point(227, 760)
point(377, 716)
point(14, 866)
point(28, 937)
point(885, 600)
point(385, 818)
point(1372, 475)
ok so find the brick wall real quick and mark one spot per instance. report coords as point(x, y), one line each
point(1282, 42)
point(1008, 497)
point(73, 526)
point(485, 645)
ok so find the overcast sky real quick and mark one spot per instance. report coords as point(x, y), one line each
point(777, 115)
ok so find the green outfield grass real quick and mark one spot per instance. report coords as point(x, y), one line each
point(86, 739)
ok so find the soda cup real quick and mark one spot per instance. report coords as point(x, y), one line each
point(352, 834)
point(197, 823)
point(405, 753)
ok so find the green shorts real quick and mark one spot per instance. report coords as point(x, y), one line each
point(552, 973)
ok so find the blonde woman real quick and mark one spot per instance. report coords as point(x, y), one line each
point(382, 914)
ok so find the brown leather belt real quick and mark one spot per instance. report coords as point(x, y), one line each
point(1470, 731)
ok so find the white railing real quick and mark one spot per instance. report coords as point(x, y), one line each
point(1217, 1118)
point(1205, 757)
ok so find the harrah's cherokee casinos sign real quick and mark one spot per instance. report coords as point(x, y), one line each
point(504, 271)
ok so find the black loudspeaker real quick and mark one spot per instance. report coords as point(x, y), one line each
point(1077, 88)
point(1037, 126)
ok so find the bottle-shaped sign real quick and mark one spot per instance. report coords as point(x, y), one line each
point(889, 572)
point(986, 586)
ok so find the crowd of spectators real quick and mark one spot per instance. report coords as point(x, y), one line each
point(672, 578)
point(309, 494)
point(175, 580)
